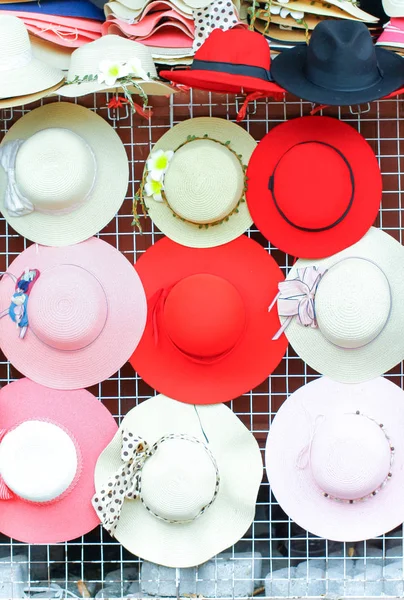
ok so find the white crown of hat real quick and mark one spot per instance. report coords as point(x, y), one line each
point(39, 461)
point(15, 46)
point(53, 172)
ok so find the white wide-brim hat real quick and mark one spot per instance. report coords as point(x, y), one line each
point(343, 314)
point(393, 8)
point(21, 74)
point(203, 200)
point(191, 494)
point(71, 174)
point(335, 458)
point(51, 53)
point(71, 316)
point(91, 60)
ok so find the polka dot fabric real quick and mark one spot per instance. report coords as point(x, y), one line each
point(221, 14)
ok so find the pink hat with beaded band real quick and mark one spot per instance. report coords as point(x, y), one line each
point(48, 453)
point(335, 458)
point(72, 316)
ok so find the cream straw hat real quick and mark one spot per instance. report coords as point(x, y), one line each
point(178, 483)
point(112, 61)
point(67, 174)
point(51, 53)
point(21, 74)
point(343, 314)
point(194, 182)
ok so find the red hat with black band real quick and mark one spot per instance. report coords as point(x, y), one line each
point(314, 186)
point(233, 61)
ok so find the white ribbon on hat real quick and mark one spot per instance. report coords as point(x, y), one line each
point(8, 63)
point(17, 204)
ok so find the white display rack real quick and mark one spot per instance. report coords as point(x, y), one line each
point(281, 544)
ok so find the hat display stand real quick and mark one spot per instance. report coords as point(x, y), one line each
point(193, 286)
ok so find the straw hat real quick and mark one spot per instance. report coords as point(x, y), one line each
point(51, 53)
point(49, 444)
point(342, 315)
point(194, 182)
point(86, 314)
point(136, 4)
point(128, 60)
point(209, 334)
point(71, 174)
point(335, 9)
point(335, 458)
point(192, 479)
point(20, 73)
point(294, 167)
point(393, 8)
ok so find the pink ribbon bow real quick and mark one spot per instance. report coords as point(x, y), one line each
point(296, 298)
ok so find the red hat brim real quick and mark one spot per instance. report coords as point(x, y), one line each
point(255, 274)
point(92, 427)
point(367, 181)
point(225, 83)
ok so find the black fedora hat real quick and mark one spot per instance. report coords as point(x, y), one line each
point(339, 66)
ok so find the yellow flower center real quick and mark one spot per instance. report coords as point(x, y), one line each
point(161, 162)
point(156, 186)
point(114, 70)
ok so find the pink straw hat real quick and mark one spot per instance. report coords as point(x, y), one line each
point(50, 442)
point(85, 316)
point(335, 458)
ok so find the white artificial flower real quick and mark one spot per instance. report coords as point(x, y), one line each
point(154, 188)
point(136, 70)
point(158, 163)
point(110, 71)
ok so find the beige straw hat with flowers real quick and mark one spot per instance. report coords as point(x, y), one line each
point(194, 182)
point(113, 64)
point(23, 78)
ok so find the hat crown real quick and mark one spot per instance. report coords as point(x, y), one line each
point(350, 456)
point(55, 169)
point(38, 461)
point(68, 308)
point(204, 182)
point(237, 46)
point(86, 59)
point(178, 480)
point(204, 315)
point(352, 303)
point(341, 56)
point(14, 40)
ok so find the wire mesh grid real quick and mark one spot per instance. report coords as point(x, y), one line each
point(295, 563)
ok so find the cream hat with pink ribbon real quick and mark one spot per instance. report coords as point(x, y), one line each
point(179, 482)
point(64, 174)
point(23, 78)
point(71, 316)
point(335, 458)
point(343, 314)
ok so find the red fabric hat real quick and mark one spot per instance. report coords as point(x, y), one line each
point(233, 61)
point(208, 338)
point(314, 186)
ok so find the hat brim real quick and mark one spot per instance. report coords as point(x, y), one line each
point(109, 188)
point(64, 8)
point(224, 83)
point(92, 427)
point(387, 349)
point(367, 190)
point(151, 88)
point(288, 70)
point(123, 329)
point(295, 489)
point(51, 53)
point(227, 519)
point(255, 274)
point(36, 77)
point(29, 98)
point(189, 234)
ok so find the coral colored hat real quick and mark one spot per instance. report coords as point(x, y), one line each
point(335, 458)
point(230, 62)
point(49, 444)
point(84, 318)
point(208, 335)
point(343, 314)
point(63, 174)
point(178, 483)
point(298, 164)
point(199, 169)
point(393, 34)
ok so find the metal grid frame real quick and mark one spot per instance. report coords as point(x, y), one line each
point(279, 541)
